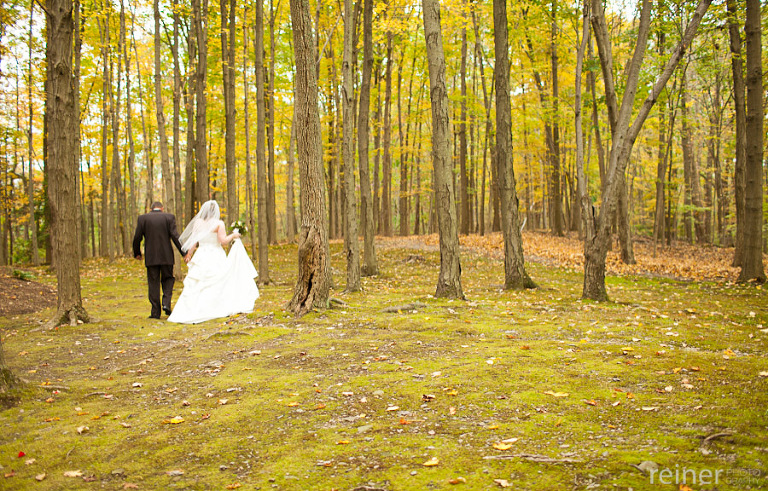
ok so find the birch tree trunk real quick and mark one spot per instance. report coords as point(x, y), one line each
point(351, 241)
point(515, 276)
point(449, 279)
point(314, 276)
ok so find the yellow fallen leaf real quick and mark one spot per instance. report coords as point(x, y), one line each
point(453, 392)
point(502, 446)
point(234, 485)
point(293, 404)
point(174, 421)
point(457, 480)
point(556, 394)
point(82, 429)
point(342, 442)
point(223, 401)
point(393, 408)
point(73, 474)
point(431, 462)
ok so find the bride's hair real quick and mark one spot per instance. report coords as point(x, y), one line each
point(205, 222)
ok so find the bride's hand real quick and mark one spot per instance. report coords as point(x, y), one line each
point(236, 234)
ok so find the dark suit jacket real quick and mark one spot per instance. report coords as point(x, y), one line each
point(157, 229)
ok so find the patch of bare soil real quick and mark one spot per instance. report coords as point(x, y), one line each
point(23, 297)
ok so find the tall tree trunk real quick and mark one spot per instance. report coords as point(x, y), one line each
point(661, 165)
point(261, 171)
point(752, 255)
point(271, 200)
point(351, 241)
point(737, 70)
point(449, 280)
point(249, 201)
point(417, 192)
point(585, 202)
point(30, 151)
point(202, 189)
point(128, 122)
point(515, 276)
point(695, 221)
point(385, 223)
point(165, 164)
point(106, 238)
point(144, 138)
point(177, 195)
point(227, 35)
point(370, 265)
point(290, 209)
point(624, 129)
point(463, 177)
point(117, 178)
point(556, 198)
point(377, 153)
point(63, 197)
point(314, 279)
point(190, 184)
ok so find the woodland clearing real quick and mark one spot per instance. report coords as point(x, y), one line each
point(535, 389)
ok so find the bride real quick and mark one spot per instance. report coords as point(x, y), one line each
point(217, 284)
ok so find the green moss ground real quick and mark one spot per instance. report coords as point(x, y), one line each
point(310, 401)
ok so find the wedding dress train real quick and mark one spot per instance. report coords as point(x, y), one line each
point(217, 284)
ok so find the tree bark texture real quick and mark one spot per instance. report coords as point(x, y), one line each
point(65, 209)
point(314, 278)
point(370, 265)
point(261, 165)
point(752, 256)
point(515, 276)
point(449, 279)
point(351, 241)
point(740, 124)
point(227, 36)
point(165, 163)
point(202, 190)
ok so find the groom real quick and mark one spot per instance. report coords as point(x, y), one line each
point(157, 229)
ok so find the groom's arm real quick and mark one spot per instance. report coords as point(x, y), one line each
point(175, 234)
point(137, 236)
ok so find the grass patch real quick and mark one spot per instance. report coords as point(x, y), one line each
point(353, 397)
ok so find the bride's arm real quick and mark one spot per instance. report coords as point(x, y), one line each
point(188, 255)
point(223, 238)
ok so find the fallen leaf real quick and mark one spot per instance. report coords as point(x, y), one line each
point(293, 404)
point(393, 408)
point(556, 394)
point(173, 421)
point(457, 480)
point(222, 402)
point(21, 454)
point(29, 461)
point(502, 446)
point(82, 429)
point(40, 477)
point(342, 442)
point(428, 397)
point(650, 408)
point(451, 410)
point(591, 402)
point(503, 483)
point(73, 474)
point(234, 485)
point(175, 472)
point(130, 485)
point(431, 462)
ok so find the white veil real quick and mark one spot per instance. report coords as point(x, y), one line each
point(204, 223)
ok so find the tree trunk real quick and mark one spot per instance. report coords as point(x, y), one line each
point(227, 35)
point(30, 149)
point(585, 202)
point(165, 164)
point(737, 70)
point(624, 134)
point(370, 266)
point(693, 187)
point(314, 279)
point(351, 242)
point(63, 169)
point(290, 209)
point(261, 170)
point(147, 142)
point(177, 196)
point(202, 190)
point(105, 242)
point(189, 102)
point(463, 177)
point(117, 178)
point(271, 201)
point(449, 280)
point(385, 222)
point(515, 276)
point(661, 165)
point(249, 201)
point(625, 233)
point(376, 154)
point(752, 256)
point(556, 198)
point(128, 123)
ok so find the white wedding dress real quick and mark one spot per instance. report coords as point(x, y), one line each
point(217, 284)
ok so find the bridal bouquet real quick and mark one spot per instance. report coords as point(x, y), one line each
point(239, 225)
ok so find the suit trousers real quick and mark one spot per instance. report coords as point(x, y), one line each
point(156, 275)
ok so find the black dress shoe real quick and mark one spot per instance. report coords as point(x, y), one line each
point(154, 317)
point(167, 310)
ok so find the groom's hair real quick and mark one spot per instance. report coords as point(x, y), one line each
point(157, 205)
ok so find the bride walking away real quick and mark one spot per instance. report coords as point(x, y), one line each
point(217, 284)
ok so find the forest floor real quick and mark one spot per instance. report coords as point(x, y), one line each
point(530, 390)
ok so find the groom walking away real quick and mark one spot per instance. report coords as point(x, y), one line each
point(157, 229)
